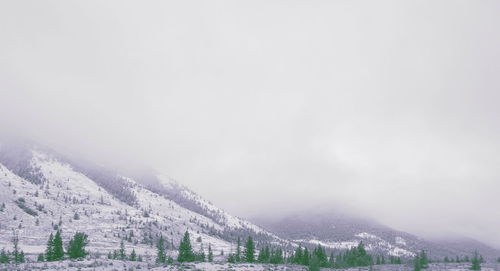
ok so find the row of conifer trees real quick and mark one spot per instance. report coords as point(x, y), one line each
point(55, 251)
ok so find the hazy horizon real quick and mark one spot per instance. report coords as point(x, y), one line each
point(387, 109)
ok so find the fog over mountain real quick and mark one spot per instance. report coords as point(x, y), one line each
point(386, 110)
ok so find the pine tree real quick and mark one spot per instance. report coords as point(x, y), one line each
point(263, 257)
point(314, 264)
point(421, 261)
point(40, 257)
point(320, 254)
point(297, 257)
point(133, 256)
point(49, 251)
point(238, 250)
point(185, 249)
point(267, 255)
point(331, 260)
point(276, 256)
point(18, 255)
point(249, 250)
point(58, 252)
point(4, 256)
point(20, 258)
point(476, 262)
point(231, 258)
point(416, 263)
point(210, 254)
point(305, 257)
point(424, 261)
point(121, 252)
point(200, 256)
point(76, 247)
point(160, 250)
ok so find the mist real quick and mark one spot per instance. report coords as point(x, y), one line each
point(386, 109)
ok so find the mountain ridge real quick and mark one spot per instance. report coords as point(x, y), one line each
point(44, 191)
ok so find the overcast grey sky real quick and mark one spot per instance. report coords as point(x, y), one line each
point(388, 107)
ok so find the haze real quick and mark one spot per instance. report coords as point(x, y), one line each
point(389, 109)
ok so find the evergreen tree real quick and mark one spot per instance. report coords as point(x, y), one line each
point(160, 250)
point(121, 252)
point(58, 252)
point(200, 256)
point(331, 261)
point(76, 247)
point(49, 251)
point(40, 257)
point(133, 256)
point(421, 261)
point(305, 257)
point(297, 257)
point(264, 255)
point(424, 261)
point(20, 258)
point(210, 254)
point(249, 250)
point(476, 262)
point(276, 256)
point(18, 255)
point(314, 263)
point(238, 250)
point(356, 256)
point(363, 259)
point(231, 258)
point(320, 254)
point(4, 256)
point(260, 256)
point(416, 263)
point(185, 249)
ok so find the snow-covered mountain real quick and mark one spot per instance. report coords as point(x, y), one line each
point(40, 191)
point(339, 231)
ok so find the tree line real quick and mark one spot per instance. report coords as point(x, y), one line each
point(421, 261)
point(53, 252)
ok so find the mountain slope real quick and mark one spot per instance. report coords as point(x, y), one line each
point(42, 191)
point(338, 232)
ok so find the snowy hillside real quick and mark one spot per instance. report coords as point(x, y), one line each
point(42, 192)
point(339, 232)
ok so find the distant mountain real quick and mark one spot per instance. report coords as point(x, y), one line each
point(41, 191)
point(340, 231)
